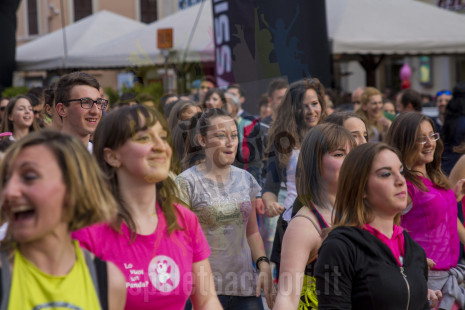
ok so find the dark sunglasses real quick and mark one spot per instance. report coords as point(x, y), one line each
point(443, 92)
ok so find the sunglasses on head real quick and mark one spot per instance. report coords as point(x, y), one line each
point(443, 92)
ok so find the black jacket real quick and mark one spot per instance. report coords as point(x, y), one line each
point(355, 270)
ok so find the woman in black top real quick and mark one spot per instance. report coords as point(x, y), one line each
point(367, 261)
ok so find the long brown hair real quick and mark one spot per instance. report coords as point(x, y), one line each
point(289, 123)
point(321, 139)
point(403, 135)
point(112, 132)
point(350, 207)
point(8, 125)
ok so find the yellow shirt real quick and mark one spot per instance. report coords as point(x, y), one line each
point(33, 289)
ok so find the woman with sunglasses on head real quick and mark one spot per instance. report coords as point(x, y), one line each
point(18, 118)
point(223, 197)
point(442, 99)
point(367, 260)
point(157, 243)
point(51, 186)
point(323, 151)
point(431, 214)
point(453, 130)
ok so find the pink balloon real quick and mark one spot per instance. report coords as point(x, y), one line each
point(405, 72)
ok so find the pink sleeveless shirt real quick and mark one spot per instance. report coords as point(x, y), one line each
point(432, 223)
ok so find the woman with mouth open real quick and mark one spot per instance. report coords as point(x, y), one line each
point(157, 243)
point(431, 214)
point(19, 118)
point(223, 197)
point(50, 186)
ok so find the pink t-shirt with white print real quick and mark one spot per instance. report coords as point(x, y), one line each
point(157, 267)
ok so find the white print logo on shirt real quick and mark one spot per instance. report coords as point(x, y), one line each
point(164, 273)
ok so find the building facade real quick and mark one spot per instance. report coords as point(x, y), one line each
point(39, 17)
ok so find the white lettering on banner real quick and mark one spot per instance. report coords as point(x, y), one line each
point(222, 37)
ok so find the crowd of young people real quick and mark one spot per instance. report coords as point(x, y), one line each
point(98, 212)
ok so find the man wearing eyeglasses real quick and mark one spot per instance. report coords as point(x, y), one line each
point(80, 105)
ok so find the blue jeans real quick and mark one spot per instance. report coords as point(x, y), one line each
point(241, 302)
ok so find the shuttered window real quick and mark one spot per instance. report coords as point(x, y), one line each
point(82, 8)
point(148, 11)
point(32, 20)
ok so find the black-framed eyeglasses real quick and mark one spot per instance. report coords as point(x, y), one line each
point(433, 137)
point(87, 103)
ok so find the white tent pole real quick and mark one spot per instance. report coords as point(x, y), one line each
point(65, 44)
point(193, 30)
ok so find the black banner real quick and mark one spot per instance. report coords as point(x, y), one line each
point(8, 10)
point(258, 40)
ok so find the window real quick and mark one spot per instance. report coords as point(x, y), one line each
point(82, 8)
point(32, 20)
point(148, 11)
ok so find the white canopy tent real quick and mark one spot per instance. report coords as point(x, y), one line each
point(404, 27)
point(48, 52)
point(355, 27)
point(139, 47)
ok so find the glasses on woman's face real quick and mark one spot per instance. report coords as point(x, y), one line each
point(424, 139)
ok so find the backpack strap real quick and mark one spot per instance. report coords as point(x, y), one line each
point(98, 273)
point(317, 227)
point(6, 281)
point(102, 279)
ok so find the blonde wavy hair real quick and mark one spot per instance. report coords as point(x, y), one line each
point(88, 199)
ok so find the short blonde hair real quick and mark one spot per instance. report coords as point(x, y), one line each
point(88, 199)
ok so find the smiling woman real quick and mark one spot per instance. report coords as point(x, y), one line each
point(51, 186)
point(223, 197)
point(371, 111)
point(157, 243)
point(19, 117)
point(431, 217)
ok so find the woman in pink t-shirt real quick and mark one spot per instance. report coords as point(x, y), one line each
point(431, 214)
point(158, 244)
